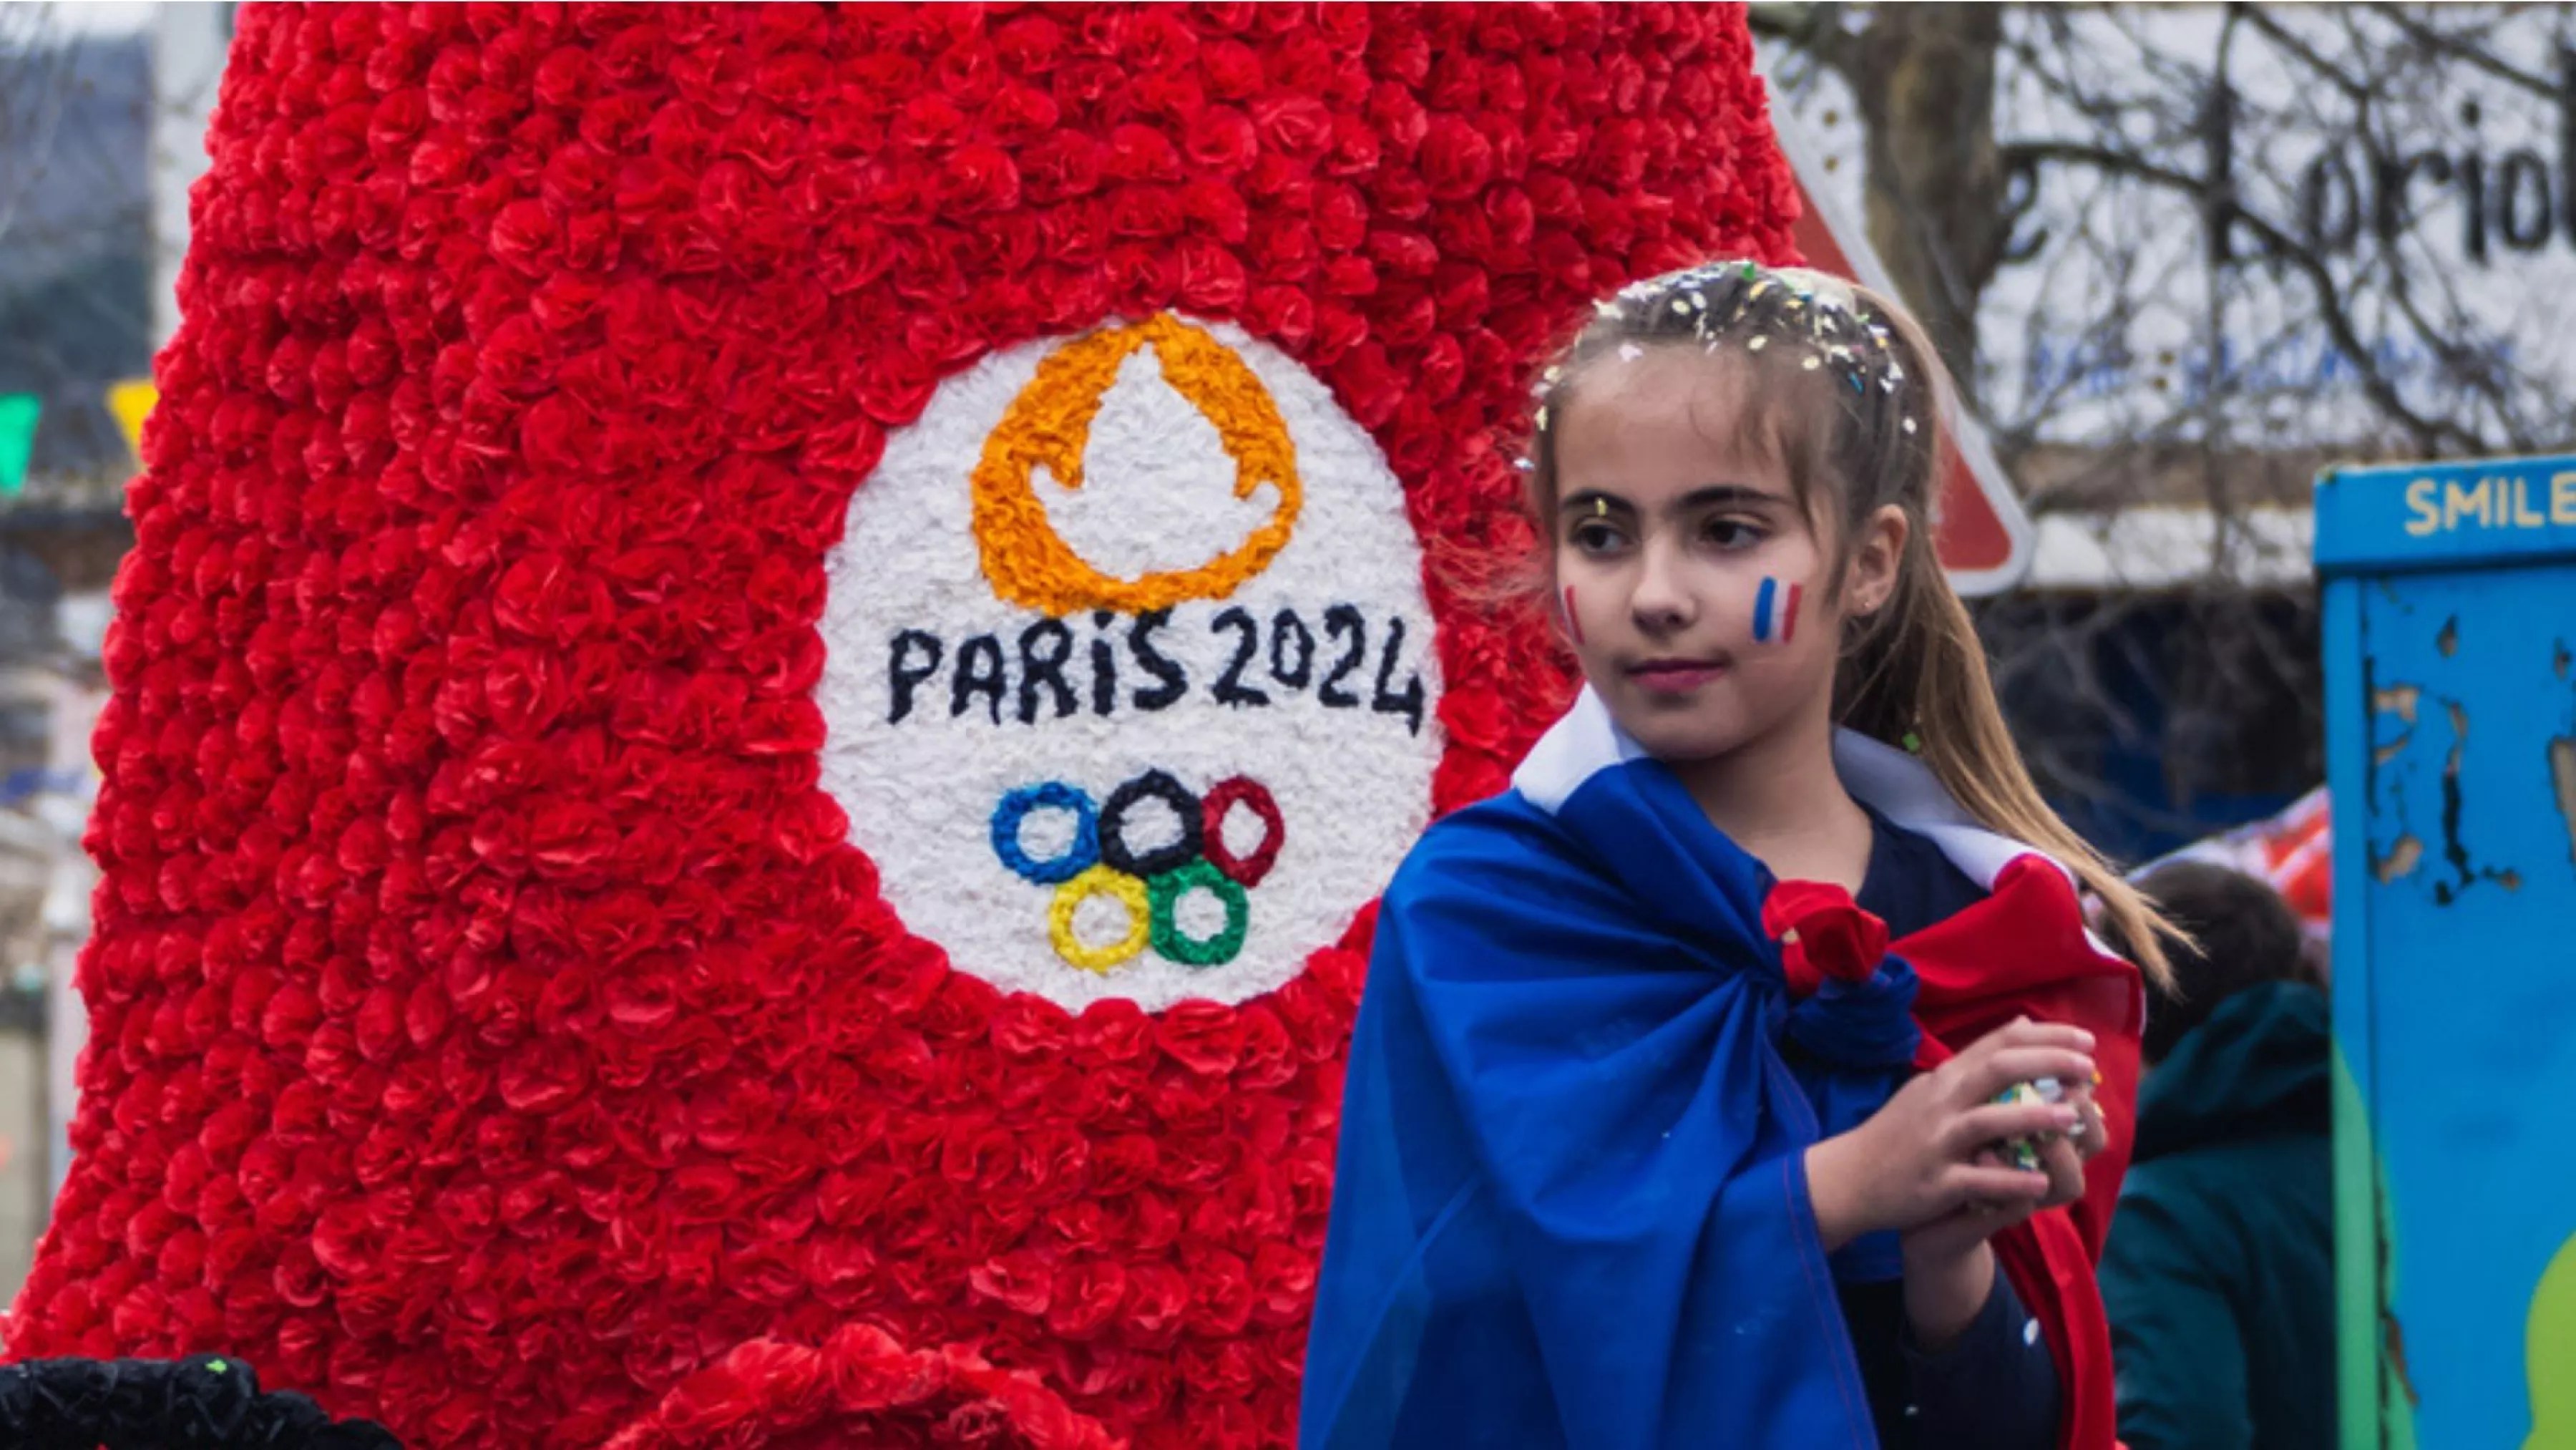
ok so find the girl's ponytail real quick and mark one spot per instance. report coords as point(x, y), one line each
point(1917, 677)
point(1937, 696)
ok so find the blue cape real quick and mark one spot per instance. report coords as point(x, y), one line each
point(1571, 1207)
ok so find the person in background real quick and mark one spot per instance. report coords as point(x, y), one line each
point(2219, 1274)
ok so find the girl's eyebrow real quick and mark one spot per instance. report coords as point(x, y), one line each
point(1593, 500)
point(1735, 495)
point(1715, 495)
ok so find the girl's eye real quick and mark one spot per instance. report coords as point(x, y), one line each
point(1731, 533)
point(1593, 536)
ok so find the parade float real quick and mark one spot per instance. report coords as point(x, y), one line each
point(772, 656)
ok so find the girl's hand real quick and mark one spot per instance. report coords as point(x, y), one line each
point(1950, 1270)
point(2063, 1157)
point(1921, 1157)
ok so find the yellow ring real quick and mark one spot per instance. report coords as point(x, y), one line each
point(1100, 881)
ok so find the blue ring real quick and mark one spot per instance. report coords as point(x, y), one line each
point(1055, 795)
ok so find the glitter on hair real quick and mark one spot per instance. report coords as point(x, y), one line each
point(1724, 301)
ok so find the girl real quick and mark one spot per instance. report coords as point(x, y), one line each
point(1672, 1114)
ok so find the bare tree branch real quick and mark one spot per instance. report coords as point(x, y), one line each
point(2431, 433)
point(2230, 243)
point(2461, 49)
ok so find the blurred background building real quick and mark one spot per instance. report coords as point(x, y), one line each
point(102, 119)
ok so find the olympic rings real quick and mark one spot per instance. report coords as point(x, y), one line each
point(1152, 785)
point(1150, 884)
point(1245, 791)
point(1166, 891)
point(1054, 795)
point(1127, 891)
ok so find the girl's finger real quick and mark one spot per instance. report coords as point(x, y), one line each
point(1999, 1189)
point(2026, 1033)
point(1991, 1075)
point(2065, 1169)
point(1994, 1218)
point(2092, 1131)
point(1963, 1136)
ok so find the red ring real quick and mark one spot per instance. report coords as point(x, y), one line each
point(1223, 797)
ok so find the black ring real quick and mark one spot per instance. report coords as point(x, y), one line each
point(1113, 826)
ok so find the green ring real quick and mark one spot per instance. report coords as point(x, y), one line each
point(1165, 891)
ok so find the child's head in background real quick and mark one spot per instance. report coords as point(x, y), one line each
point(2242, 935)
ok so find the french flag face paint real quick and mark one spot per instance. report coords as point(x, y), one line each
point(1775, 612)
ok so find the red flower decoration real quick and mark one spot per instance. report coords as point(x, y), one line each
point(493, 1031)
point(1822, 933)
point(860, 1387)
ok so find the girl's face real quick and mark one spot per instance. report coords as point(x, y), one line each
point(1691, 584)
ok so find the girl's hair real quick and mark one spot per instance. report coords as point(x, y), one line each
point(1840, 385)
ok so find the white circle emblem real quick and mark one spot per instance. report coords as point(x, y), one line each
point(1130, 689)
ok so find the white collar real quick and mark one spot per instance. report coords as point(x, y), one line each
point(1586, 741)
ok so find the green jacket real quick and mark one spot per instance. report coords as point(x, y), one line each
point(2219, 1275)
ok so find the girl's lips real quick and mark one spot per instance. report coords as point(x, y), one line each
point(1675, 676)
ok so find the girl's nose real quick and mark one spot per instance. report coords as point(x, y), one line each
point(1662, 601)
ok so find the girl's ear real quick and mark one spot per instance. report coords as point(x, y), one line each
point(1878, 553)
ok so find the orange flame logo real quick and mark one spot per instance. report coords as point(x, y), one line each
point(1049, 425)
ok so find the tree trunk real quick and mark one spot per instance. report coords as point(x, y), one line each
point(1934, 195)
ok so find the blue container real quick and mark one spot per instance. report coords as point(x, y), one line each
point(2450, 618)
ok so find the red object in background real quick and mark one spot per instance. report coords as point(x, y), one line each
point(2293, 851)
point(494, 1031)
point(2298, 857)
point(1983, 536)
